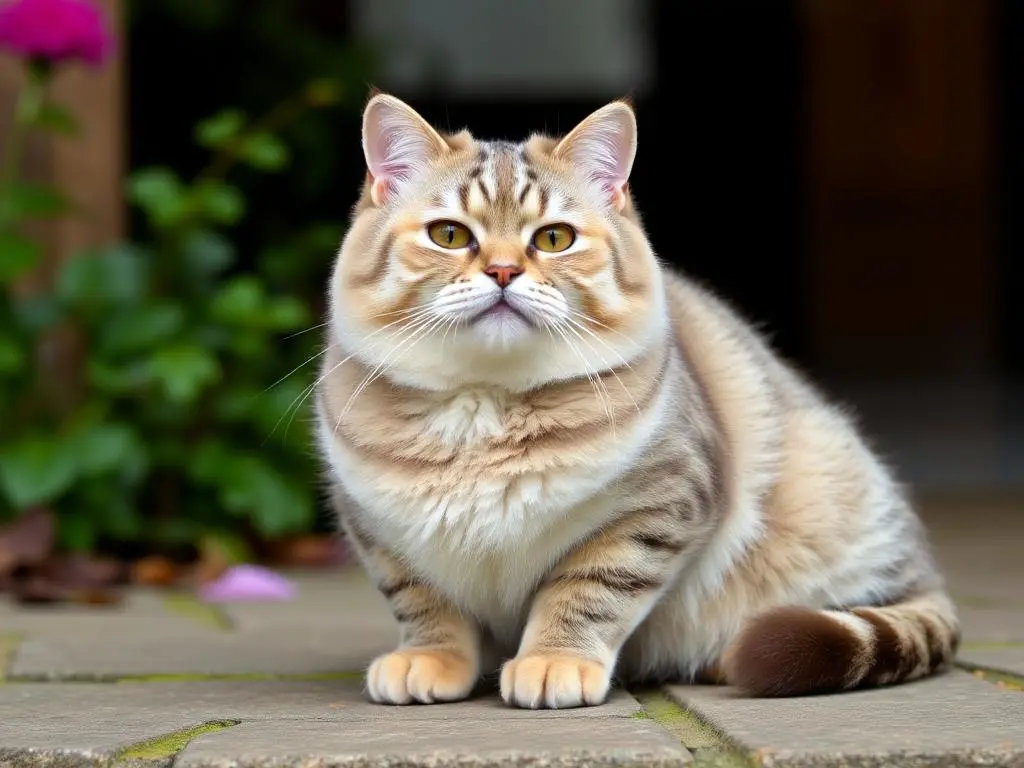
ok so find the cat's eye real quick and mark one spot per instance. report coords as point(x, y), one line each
point(450, 234)
point(554, 238)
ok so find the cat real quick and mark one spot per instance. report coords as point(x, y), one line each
point(557, 457)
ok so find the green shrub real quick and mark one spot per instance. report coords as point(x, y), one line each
point(178, 423)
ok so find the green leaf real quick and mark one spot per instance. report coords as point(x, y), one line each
point(230, 547)
point(219, 130)
point(37, 313)
point(221, 202)
point(76, 532)
point(104, 448)
point(274, 503)
point(183, 371)
point(12, 355)
point(240, 302)
point(36, 201)
point(160, 195)
point(55, 118)
point(17, 255)
point(209, 461)
point(116, 276)
point(118, 379)
point(37, 469)
point(323, 92)
point(284, 406)
point(264, 152)
point(206, 253)
point(119, 518)
point(286, 314)
point(140, 328)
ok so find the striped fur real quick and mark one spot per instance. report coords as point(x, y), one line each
point(619, 477)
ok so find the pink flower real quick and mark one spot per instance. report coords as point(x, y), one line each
point(55, 30)
point(247, 582)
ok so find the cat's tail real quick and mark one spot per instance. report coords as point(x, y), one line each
point(792, 651)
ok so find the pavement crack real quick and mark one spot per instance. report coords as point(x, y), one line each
point(709, 746)
point(997, 677)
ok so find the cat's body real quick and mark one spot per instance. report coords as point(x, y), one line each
point(613, 473)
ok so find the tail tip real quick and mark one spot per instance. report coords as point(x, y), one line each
point(792, 651)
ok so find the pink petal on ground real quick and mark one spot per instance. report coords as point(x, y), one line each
point(247, 582)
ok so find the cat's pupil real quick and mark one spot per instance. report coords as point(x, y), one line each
point(450, 231)
point(553, 237)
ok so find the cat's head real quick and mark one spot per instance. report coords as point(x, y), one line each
point(473, 261)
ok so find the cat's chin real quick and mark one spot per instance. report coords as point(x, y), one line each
point(502, 327)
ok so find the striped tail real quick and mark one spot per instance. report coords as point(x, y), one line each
point(793, 651)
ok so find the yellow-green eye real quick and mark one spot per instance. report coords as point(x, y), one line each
point(554, 238)
point(450, 234)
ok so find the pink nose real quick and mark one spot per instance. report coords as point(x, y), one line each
point(503, 274)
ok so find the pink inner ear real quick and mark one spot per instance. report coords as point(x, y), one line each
point(603, 148)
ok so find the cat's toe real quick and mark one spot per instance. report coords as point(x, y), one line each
point(420, 675)
point(554, 681)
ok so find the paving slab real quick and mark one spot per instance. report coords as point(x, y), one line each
point(143, 611)
point(330, 723)
point(439, 743)
point(287, 651)
point(180, 703)
point(336, 599)
point(950, 720)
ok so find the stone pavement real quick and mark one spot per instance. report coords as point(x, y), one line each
point(164, 680)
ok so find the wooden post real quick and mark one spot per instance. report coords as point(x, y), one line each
point(898, 136)
point(88, 168)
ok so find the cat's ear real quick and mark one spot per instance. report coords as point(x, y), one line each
point(603, 147)
point(397, 143)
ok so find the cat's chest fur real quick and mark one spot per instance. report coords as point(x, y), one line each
point(489, 523)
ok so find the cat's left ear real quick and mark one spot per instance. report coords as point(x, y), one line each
point(603, 147)
point(397, 143)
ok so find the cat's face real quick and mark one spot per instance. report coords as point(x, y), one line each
point(491, 262)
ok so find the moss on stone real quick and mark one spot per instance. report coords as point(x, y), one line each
point(8, 646)
point(684, 725)
point(990, 646)
point(998, 678)
point(169, 744)
point(709, 747)
point(208, 615)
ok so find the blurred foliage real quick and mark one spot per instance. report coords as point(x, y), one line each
point(178, 425)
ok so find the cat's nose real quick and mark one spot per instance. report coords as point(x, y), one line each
point(503, 274)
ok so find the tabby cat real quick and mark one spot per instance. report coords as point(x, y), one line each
point(559, 458)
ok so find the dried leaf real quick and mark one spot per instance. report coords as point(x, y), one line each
point(96, 596)
point(155, 571)
point(35, 588)
point(81, 571)
point(309, 552)
point(27, 541)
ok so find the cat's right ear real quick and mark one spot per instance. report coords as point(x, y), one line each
point(397, 143)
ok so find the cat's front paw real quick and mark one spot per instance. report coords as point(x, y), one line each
point(554, 681)
point(418, 674)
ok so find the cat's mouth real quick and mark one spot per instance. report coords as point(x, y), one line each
point(501, 309)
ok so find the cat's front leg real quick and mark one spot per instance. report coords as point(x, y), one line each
point(587, 608)
point(438, 657)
